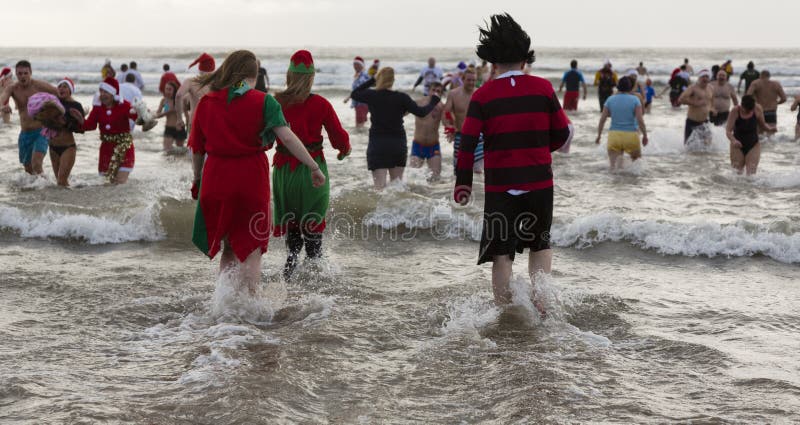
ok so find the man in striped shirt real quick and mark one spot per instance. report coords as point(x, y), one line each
point(522, 123)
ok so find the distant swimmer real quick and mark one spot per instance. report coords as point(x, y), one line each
point(638, 86)
point(484, 72)
point(387, 150)
point(627, 120)
point(605, 80)
point(518, 184)
point(724, 94)
point(455, 79)
point(134, 69)
point(727, 67)
point(235, 124)
point(769, 94)
point(425, 147)
point(677, 85)
point(131, 93)
point(748, 76)
point(428, 75)
point(168, 107)
point(262, 82)
point(32, 144)
point(374, 68)
point(699, 97)
point(299, 208)
point(123, 72)
point(360, 77)
point(455, 110)
point(574, 81)
point(642, 70)
point(650, 94)
point(686, 67)
point(111, 113)
point(191, 91)
point(6, 79)
point(796, 107)
point(742, 130)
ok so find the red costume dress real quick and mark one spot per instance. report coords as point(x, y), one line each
point(234, 127)
point(117, 151)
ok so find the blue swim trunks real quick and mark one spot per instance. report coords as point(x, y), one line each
point(31, 141)
point(425, 152)
point(478, 149)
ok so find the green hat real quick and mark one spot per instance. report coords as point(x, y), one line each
point(301, 62)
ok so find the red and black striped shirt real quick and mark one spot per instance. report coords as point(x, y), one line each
point(522, 122)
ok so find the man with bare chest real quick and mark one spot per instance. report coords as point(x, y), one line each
point(425, 146)
point(191, 90)
point(699, 96)
point(724, 94)
point(769, 94)
point(32, 144)
point(455, 111)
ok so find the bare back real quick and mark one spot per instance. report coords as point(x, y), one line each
point(426, 129)
point(194, 92)
point(767, 93)
point(460, 101)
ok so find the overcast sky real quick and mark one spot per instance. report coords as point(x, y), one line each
point(412, 23)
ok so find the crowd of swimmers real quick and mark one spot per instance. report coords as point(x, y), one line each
point(502, 122)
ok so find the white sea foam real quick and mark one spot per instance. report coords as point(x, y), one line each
point(143, 225)
point(232, 300)
point(701, 238)
point(466, 317)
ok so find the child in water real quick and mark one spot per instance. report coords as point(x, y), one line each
point(167, 109)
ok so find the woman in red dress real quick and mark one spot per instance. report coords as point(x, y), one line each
point(234, 125)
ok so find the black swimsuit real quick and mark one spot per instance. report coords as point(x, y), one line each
point(745, 130)
point(72, 124)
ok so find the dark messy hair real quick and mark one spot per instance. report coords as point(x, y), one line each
point(748, 102)
point(504, 41)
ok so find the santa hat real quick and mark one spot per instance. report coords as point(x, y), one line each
point(376, 61)
point(6, 71)
point(206, 62)
point(359, 59)
point(301, 62)
point(69, 83)
point(111, 85)
point(168, 77)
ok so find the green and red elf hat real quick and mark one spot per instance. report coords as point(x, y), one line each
point(301, 62)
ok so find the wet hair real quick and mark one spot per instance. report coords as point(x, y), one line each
point(384, 79)
point(750, 65)
point(435, 85)
point(133, 64)
point(573, 64)
point(23, 64)
point(748, 102)
point(683, 67)
point(238, 66)
point(130, 78)
point(625, 84)
point(503, 41)
point(165, 67)
point(685, 60)
point(123, 67)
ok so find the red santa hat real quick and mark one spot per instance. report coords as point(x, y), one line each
point(206, 62)
point(111, 85)
point(359, 59)
point(168, 77)
point(6, 71)
point(69, 83)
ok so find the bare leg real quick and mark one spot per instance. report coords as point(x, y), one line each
point(396, 173)
point(55, 161)
point(415, 162)
point(227, 259)
point(64, 167)
point(168, 141)
point(613, 158)
point(251, 271)
point(379, 178)
point(122, 177)
point(501, 277)
point(28, 168)
point(477, 167)
point(36, 163)
point(797, 131)
point(635, 155)
point(752, 159)
point(737, 159)
point(435, 164)
point(539, 261)
point(6, 118)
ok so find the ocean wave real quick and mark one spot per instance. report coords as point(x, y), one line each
point(141, 226)
point(702, 238)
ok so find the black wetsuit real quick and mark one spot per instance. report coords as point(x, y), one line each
point(749, 76)
point(388, 146)
point(745, 130)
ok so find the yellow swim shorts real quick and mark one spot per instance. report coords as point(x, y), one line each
point(624, 141)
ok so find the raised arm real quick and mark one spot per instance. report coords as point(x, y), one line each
point(46, 87)
point(362, 92)
point(417, 110)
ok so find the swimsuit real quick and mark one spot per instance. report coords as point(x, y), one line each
point(59, 150)
point(173, 132)
point(771, 117)
point(31, 141)
point(425, 152)
point(745, 130)
point(691, 125)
